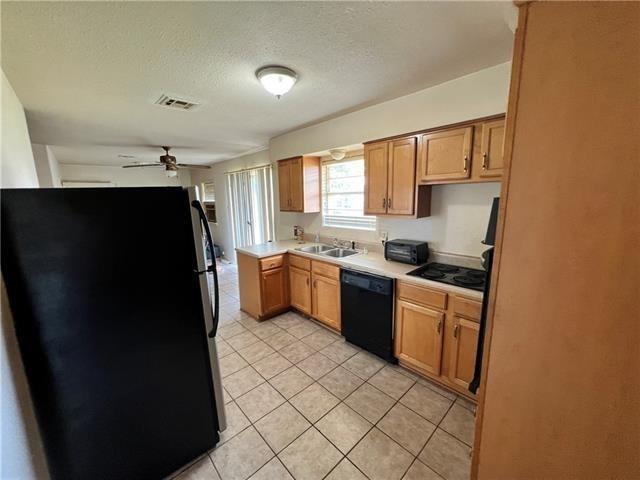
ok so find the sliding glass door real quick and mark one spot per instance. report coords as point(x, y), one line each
point(251, 201)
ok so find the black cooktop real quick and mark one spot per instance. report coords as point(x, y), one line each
point(453, 275)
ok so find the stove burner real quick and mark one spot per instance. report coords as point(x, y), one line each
point(480, 275)
point(432, 274)
point(468, 280)
point(441, 267)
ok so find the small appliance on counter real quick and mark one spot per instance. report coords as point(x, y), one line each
point(298, 233)
point(452, 275)
point(413, 252)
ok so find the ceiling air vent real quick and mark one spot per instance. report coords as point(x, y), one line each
point(174, 102)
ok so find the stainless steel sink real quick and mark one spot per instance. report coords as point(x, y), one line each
point(315, 248)
point(339, 252)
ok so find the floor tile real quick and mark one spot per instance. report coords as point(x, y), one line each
point(407, 428)
point(287, 321)
point(236, 422)
point(282, 426)
point(272, 365)
point(249, 322)
point(231, 364)
point(380, 458)
point(303, 329)
point(313, 402)
point(363, 364)
point(437, 388)
point(468, 404)
point(266, 329)
point(260, 401)
point(460, 423)
point(316, 365)
point(242, 381)
point(403, 371)
point(201, 470)
point(320, 339)
point(391, 382)
point(256, 351)
point(280, 340)
point(339, 352)
point(340, 382)
point(226, 396)
point(230, 330)
point(242, 340)
point(448, 456)
point(311, 456)
point(370, 402)
point(426, 402)
point(223, 348)
point(419, 471)
point(297, 351)
point(273, 470)
point(345, 471)
point(343, 427)
point(241, 456)
point(291, 381)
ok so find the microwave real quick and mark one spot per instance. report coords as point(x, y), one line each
point(413, 252)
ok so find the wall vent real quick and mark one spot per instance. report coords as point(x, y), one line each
point(174, 102)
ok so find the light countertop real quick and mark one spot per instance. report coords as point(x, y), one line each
point(369, 262)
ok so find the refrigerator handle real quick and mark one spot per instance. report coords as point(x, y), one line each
point(216, 308)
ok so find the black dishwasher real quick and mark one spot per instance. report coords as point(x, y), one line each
point(367, 312)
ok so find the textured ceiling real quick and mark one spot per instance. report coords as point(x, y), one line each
point(88, 73)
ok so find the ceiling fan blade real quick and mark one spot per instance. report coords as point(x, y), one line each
point(135, 165)
point(190, 165)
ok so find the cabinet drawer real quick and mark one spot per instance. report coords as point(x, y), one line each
point(300, 262)
point(271, 262)
point(421, 295)
point(467, 307)
point(331, 271)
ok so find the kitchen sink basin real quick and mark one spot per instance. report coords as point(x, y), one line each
point(339, 252)
point(315, 248)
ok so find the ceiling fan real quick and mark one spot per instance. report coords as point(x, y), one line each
point(169, 163)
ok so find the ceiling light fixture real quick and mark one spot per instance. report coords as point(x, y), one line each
point(337, 153)
point(276, 79)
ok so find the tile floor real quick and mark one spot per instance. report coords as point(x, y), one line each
point(304, 404)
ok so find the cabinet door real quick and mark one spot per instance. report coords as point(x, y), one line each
point(492, 142)
point(402, 177)
point(446, 155)
point(375, 178)
point(463, 350)
point(296, 192)
point(300, 287)
point(273, 291)
point(326, 300)
point(418, 335)
point(284, 181)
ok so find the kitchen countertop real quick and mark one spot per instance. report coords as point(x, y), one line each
point(369, 262)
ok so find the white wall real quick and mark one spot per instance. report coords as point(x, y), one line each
point(459, 212)
point(123, 177)
point(222, 231)
point(22, 455)
point(47, 166)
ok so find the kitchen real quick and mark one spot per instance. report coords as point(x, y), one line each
point(354, 318)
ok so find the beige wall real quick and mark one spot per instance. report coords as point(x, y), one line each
point(121, 177)
point(47, 166)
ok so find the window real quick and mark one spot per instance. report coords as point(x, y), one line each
point(209, 201)
point(343, 195)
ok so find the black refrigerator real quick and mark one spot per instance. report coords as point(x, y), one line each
point(113, 312)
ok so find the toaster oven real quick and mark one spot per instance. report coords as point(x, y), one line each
point(413, 252)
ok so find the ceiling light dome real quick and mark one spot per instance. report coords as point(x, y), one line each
point(277, 80)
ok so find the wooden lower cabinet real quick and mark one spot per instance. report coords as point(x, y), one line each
point(436, 334)
point(273, 288)
point(326, 300)
point(263, 285)
point(300, 288)
point(418, 340)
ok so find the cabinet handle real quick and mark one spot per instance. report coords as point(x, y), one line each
point(315, 284)
point(389, 203)
point(307, 282)
point(384, 203)
point(455, 330)
point(484, 160)
point(465, 164)
point(439, 326)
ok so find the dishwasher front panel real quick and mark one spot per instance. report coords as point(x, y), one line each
point(367, 312)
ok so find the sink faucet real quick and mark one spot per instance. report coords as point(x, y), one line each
point(336, 242)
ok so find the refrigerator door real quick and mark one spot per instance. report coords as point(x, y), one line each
point(109, 317)
point(201, 230)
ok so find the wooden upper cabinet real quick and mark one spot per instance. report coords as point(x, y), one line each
point(300, 287)
point(401, 176)
point(299, 184)
point(463, 346)
point(492, 148)
point(375, 178)
point(418, 337)
point(446, 155)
